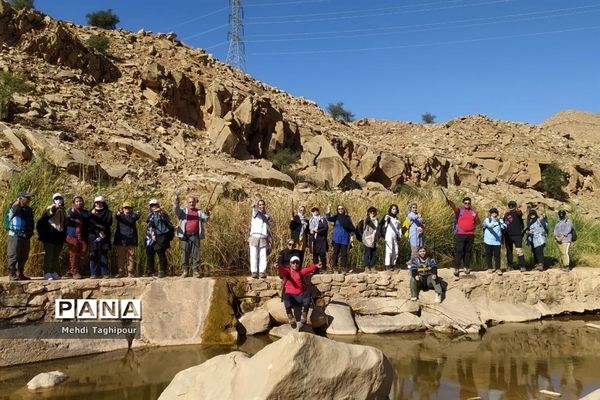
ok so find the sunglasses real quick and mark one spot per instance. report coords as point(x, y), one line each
point(295, 262)
point(466, 202)
point(290, 244)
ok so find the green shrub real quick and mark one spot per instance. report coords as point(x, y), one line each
point(105, 19)
point(10, 84)
point(554, 180)
point(98, 43)
point(338, 112)
point(284, 158)
point(21, 4)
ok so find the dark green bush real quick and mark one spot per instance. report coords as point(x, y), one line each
point(98, 43)
point(105, 19)
point(21, 4)
point(554, 179)
point(10, 84)
point(338, 112)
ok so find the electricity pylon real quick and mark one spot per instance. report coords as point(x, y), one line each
point(236, 55)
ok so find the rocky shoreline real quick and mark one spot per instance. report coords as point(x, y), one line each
point(216, 309)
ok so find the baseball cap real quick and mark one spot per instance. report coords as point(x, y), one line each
point(153, 201)
point(126, 203)
point(99, 199)
point(57, 196)
point(24, 194)
point(294, 258)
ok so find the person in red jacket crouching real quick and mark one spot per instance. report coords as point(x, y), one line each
point(293, 288)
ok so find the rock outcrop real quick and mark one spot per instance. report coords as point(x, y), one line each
point(46, 380)
point(296, 366)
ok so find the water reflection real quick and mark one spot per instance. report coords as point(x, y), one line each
point(512, 361)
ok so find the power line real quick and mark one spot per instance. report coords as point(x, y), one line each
point(285, 3)
point(205, 32)
point(356, 50)
point(189, 21)
point(379, 14)
point(236, 55)
point(418, 25)
point(530, 18)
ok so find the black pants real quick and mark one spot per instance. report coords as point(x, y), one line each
point(492, 252)
point(369, 257)
point(463, 248)
point(316, 257)
point(516, 242)
point(17, 253)
point(162, 259)
point(538, 254)
point(291, 300)
point(340, 253)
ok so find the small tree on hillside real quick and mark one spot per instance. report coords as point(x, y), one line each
point(9, 84)
point(105, 19)
point(428, 118)
point(338, 112)
point(554, 179)
point(21, 4)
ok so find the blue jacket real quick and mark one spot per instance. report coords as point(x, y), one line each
point(492, 231)
point(341, 234)
point(20, 221)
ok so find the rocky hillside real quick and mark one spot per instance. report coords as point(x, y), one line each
point(152, 112)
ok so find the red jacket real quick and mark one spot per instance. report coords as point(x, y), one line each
point(466, 221)
point(292, 280)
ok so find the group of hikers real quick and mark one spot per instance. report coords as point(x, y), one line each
point(88, 235)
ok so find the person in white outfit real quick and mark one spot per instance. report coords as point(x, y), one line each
point(391, 229)
point(260, 239)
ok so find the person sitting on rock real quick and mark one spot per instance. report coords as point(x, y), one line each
point(537, 233)
point(285, 256)
point(293, 288)
point(423, 271)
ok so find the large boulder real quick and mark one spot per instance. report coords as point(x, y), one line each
point(142, 149)
point(382, 305)
point(20, 149)
point(7, 169)
point(323, 163)
point(264, 176)
point(341, 319)
point(404, 322)
point(256, 321)
point(297, 366)
point(224, 139)
point(276, 310)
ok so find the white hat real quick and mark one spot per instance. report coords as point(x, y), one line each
point(153, 201)
point(99, 199)
point(294, 258)
point(56, 195)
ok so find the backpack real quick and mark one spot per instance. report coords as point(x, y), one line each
point(573, 234)
point(7, 220)
point(405, 227)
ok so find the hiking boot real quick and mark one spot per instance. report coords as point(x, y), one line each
point(304, 317)
point(255, 275)
point(438, 298)
point(292, 321)
point(77, 276)
point(262, 275)
point(130, 275)
point(22, 277)
point(456, 272)
point(501, 271)
point(540, 267)
point(105, 276)
point(492, 270)
point(162, 274)
point(68, 275)
point(12, 276)
point(467, 271)
point(523, 269)
point(185, 273)
point(94, 277)
point(196, 274)
point(413, 298)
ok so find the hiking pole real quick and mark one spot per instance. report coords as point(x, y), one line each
point(211, 196)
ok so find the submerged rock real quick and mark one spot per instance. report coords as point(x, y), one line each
point(297, 366)
point(46, 380)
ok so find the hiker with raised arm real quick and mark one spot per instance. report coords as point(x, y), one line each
point(423, 275)
point(190, 231)
point(317, 237)
point(391, 230)
point(493, 228)
point(18, 220)
point(299, 232)
point(343, 237)
point(466, 220)
point(260, 239)
point(159, 233)
point(293, 288)
point(564, 234)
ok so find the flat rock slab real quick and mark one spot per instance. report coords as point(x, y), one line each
point(405, 322)
point(455, 313)
point(340, 318)
point(284, 330)
point(46, 380)
point(164, 302)
point(382, 305)
point(501, 311)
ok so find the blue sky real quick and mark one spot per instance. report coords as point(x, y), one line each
point(520, 60)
